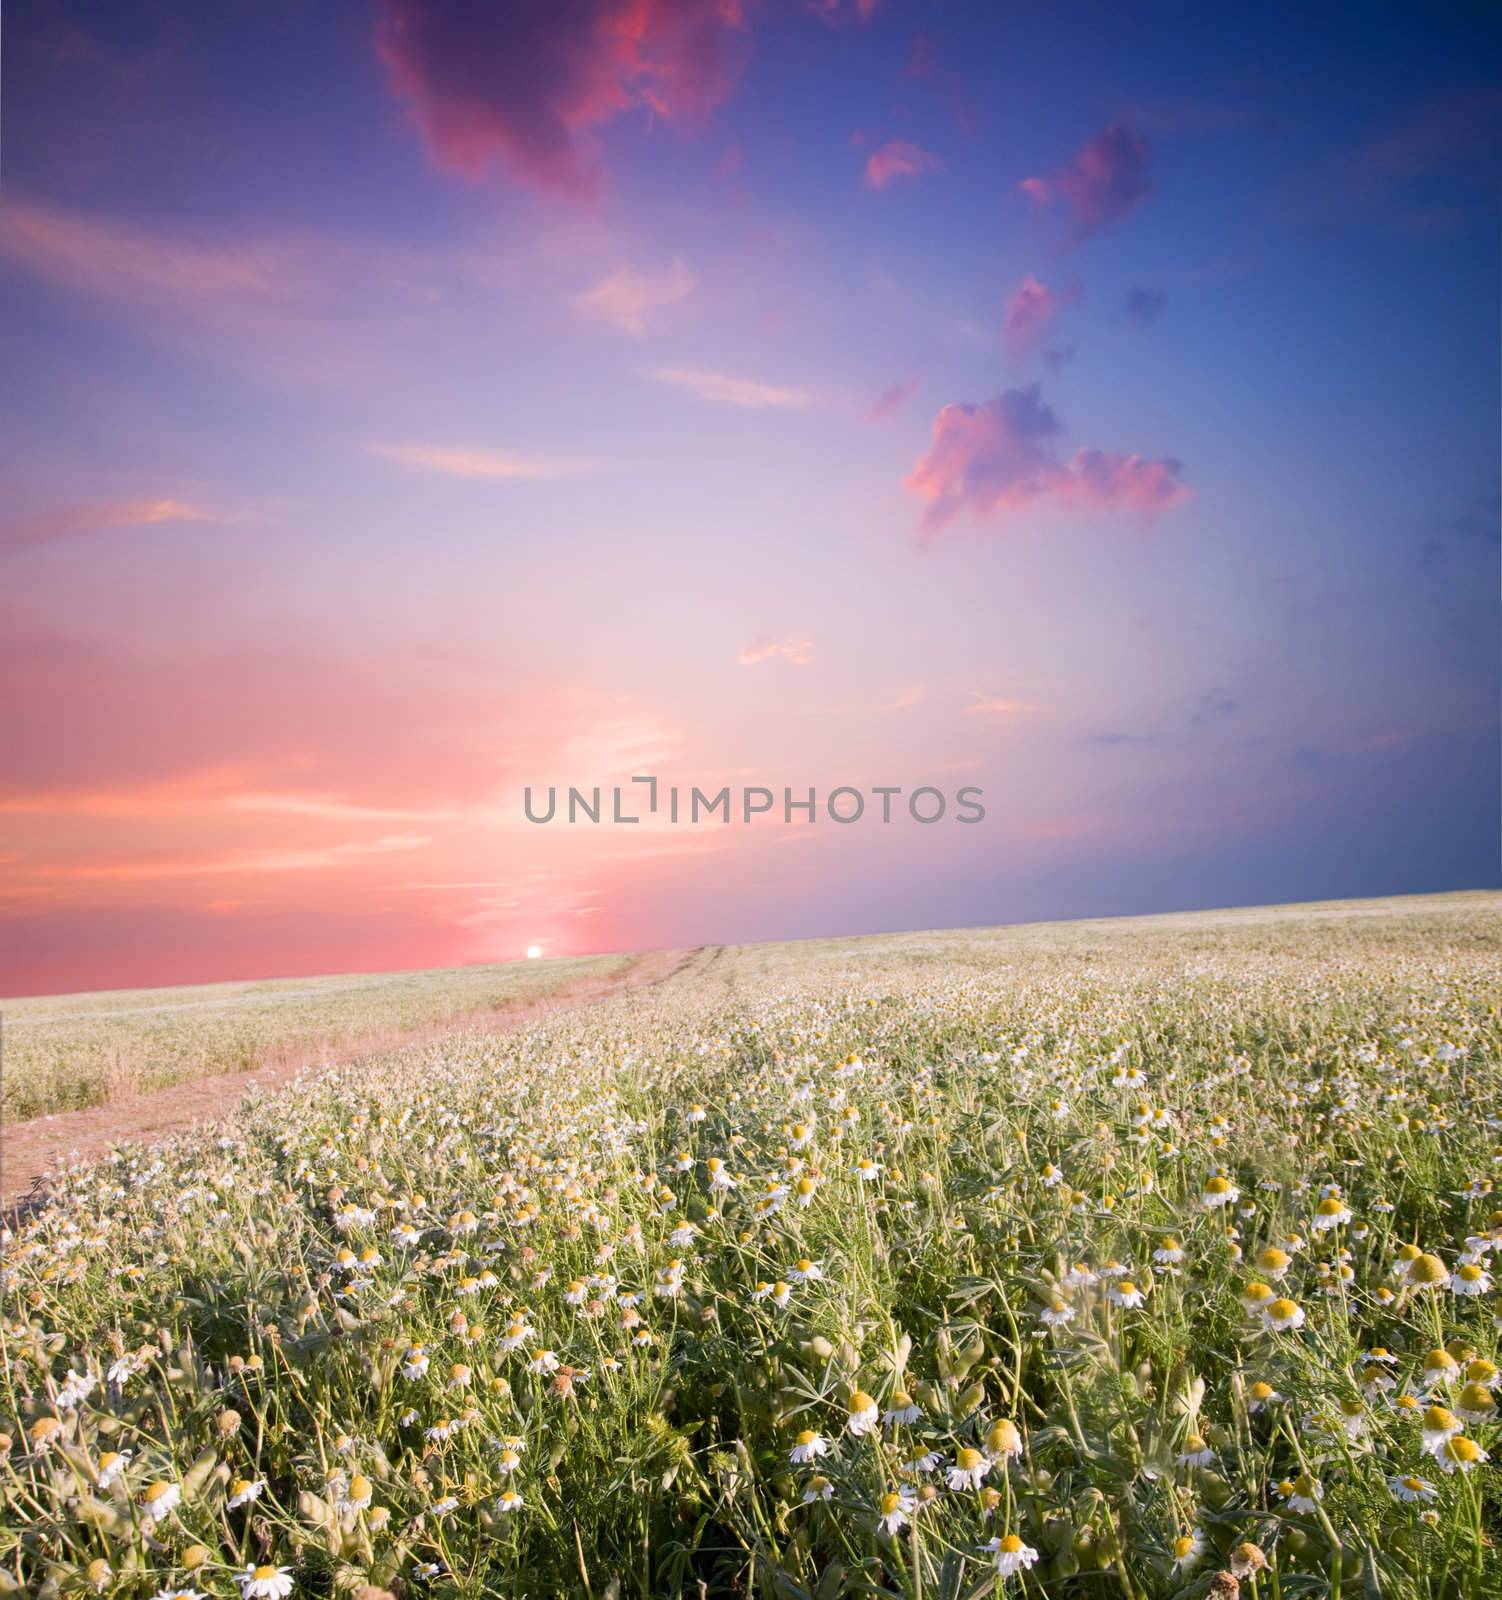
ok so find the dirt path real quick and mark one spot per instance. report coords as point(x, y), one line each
point(28, 1150)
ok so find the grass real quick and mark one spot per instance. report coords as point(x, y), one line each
point(65, 1052)
point(1160, 1250)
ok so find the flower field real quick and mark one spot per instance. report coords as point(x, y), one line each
point(63, 1052)
point(1132, 1261)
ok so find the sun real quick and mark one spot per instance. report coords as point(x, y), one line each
point(534, 951)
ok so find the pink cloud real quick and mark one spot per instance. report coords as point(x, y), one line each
point(1106, 178)
point(527, 87)
point(890, 401)
point(796, 652)
point(897, 158)
point(1002, 457)
point(1032, 310)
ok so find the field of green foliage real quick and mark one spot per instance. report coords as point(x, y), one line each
point(1108, 1260)
point(63, 1052)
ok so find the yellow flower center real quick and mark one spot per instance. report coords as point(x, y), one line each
point(1427, 1269)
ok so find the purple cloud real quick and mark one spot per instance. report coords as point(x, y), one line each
point(1001, 457)
point(526, 87)
point(1145, 306)
point(1104, 180)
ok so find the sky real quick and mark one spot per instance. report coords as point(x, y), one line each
point(408, 403)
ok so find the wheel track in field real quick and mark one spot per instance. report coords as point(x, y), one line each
point(29, 1150)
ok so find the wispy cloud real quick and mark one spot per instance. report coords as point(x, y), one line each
point(721, 389)
point(1215, 705)
point(1062, 828)
point(229, 275)
point(329, 808)
point(149, 870)
point(118, 260)
point(28, 532)
point(457, 461)
point(1432, 169)
point(205, 793)
point(630, 299)
point(468, 883)
point(994, 706)
point(796, 652)
point(1032, 310)
point(838, 11)
point(891, 401)
point(165, 797)
point(317, 306)
point(903, 700)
